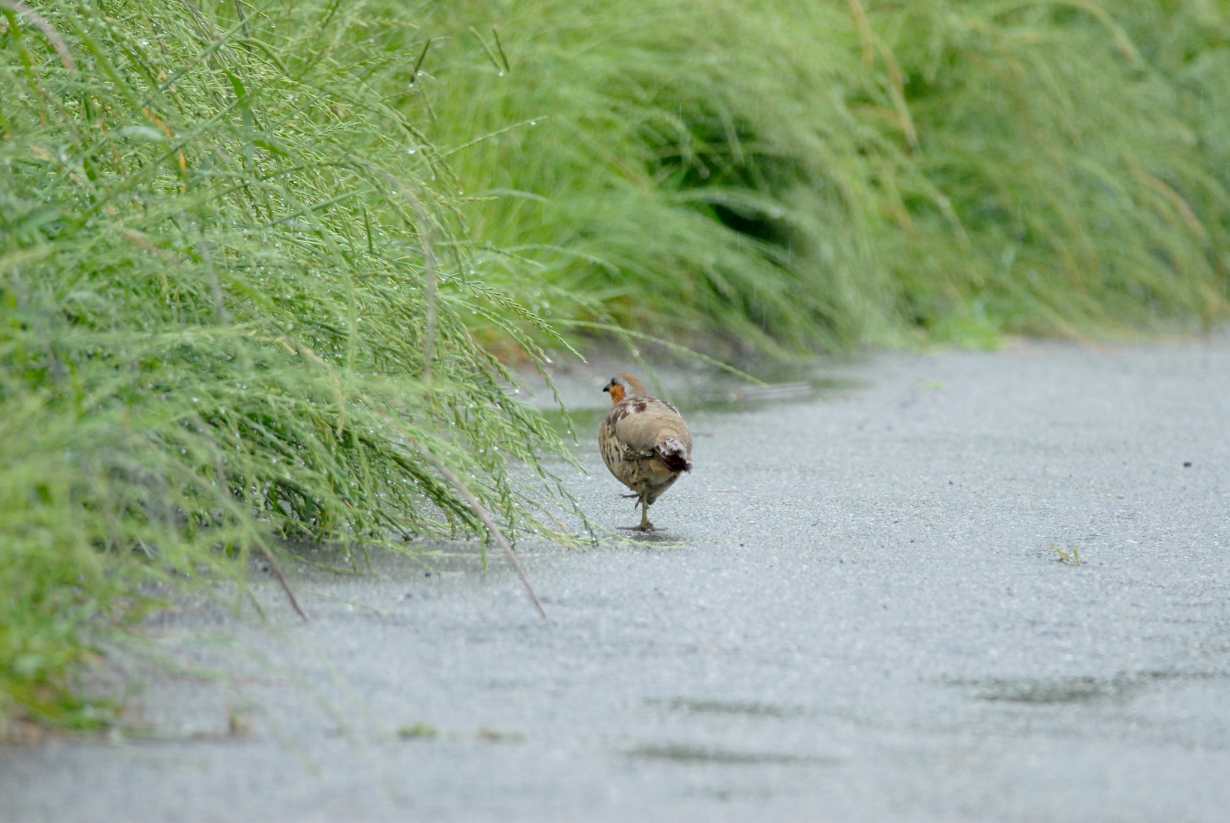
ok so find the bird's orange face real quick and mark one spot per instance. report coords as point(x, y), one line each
point(616, 390)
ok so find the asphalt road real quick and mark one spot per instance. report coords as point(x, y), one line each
point(971, 587)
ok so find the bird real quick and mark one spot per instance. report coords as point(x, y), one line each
point(644, 441)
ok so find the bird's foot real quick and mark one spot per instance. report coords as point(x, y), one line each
point(643, 528)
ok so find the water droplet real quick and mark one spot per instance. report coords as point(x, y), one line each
point(411, 150)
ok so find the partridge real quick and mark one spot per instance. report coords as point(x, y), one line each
point(644, 442)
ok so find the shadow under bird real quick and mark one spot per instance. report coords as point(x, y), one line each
point(644, 442)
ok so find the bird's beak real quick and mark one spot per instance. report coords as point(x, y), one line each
point(607, 387)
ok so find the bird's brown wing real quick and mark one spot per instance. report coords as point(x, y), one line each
point(642, 424)
point(645, 444)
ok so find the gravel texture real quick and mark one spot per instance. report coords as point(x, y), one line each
point(959, 586)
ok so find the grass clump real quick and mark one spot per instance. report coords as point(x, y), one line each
point(231, 312)
point(788, 175)
point(1068, 555)
point(418, 731)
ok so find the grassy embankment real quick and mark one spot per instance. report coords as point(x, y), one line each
point(243, 257)
point(232, 312)
point(803, 174)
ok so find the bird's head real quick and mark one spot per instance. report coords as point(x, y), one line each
point(624, 385)
point(616, 389)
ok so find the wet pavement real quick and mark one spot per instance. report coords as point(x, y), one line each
point(955, 586)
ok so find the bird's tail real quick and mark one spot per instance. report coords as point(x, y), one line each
point(674, 455)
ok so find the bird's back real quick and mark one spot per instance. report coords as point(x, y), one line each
point(645, 443)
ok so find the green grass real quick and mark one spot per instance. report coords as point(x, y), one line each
point(418, 731)
point(232, 313)
point(797, 175)
point(255, 257)
point(1068, 555)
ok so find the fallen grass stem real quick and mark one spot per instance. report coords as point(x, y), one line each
point(492, 529)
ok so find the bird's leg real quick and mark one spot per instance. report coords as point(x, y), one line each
point(646, 526)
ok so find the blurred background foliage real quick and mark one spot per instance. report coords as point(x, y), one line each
point(797, 175)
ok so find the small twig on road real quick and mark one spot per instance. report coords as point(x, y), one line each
point(492, 528)
point(281, 578)
point(273, 563)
